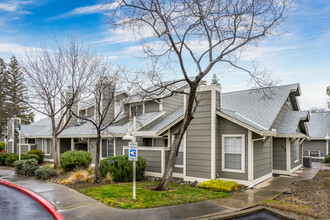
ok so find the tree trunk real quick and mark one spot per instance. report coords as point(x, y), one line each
point(97, 155)
point(55, 151)
point(166, 179)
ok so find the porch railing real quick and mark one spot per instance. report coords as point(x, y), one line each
point(312, 153)
point(26, 147)
point(155, 157)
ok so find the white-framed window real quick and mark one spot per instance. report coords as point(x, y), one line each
point(160, 142)
point(296, 151)
point(179, 159)
point(110, 148)
point(46, 146)
point(233, 153)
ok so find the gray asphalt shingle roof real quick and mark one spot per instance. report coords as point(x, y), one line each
point(39, 128)
point(254, 106)
point(319, 125)
point(291, 121)
point(168, 120)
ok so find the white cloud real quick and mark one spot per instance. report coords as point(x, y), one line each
point(92, 9)
point(14, 6)
point(15, 48)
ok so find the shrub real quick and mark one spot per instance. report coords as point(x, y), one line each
point(2, 146)
point(71, 160)
point(45, 172)
point(79, 176)
point(11, 159)
point(48, 165)
point(39, 153)
point(121, 169)
point(326, 159)
point(26, 167)
point(3, 157)
point(29, 156)
point(219, 185)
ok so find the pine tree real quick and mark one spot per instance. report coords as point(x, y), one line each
point(215, 80)
point(17, 93)
point(3, 110)
point(328, 93)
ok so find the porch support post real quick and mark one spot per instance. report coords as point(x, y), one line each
point(250, 156)
point(72, 144)
point(288, 154)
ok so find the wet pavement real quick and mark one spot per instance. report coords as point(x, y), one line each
point(16, 205)
point(74, 205)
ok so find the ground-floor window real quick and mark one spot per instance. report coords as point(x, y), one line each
point(179, 159)
point(46, 146)
point(296, 151)
point(233, 153)
point(108, 148)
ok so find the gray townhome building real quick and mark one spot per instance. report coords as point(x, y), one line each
point(245, 136)
point(318, 145)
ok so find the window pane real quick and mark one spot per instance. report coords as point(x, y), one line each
point(233, 144)
point(110, 148)
point(104, 148)
point(296, 150)
point(233, 161)
point(179, 160)
point(158, 142)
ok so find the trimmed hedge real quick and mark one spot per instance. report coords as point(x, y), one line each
point(326, 159)
point(219, 185)
point(30, 156)
point(3, 157)
point(39, 153)
point(45, 172)
point(71, 160)
point(2, 146)
point(121, 169)
point(26, 167)
point(11, 159)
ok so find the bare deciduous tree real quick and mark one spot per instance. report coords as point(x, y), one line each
point(199, 33)
point(105, 101)
point(56, 79)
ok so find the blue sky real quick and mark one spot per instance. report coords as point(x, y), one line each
point(301, 55)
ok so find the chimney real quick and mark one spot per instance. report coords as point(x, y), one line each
point(107, 89)
point(67, 97)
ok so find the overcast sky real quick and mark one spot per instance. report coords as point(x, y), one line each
point(301, 55)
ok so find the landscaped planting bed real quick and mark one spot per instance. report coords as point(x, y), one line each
point(119, 195)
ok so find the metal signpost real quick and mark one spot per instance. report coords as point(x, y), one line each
point(133, 156)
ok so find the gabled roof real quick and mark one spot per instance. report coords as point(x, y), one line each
point(39, 128)
point(169, 121)
point(319, 125)
point(254, 108)
point(291, 122)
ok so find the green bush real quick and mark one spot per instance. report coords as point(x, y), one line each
point(29, 156)
point(2, 146)
point(3, 157)
point(26, 167)
point(326, 159)
point(45, 172)
point(39, 153)
point(71, 160)
point(219, 185)
point(11, 159)
point(121, 169)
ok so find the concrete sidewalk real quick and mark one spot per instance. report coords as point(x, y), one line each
point(74, 205)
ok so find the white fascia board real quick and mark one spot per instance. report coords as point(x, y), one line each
point(292, 135)
point(170, 125)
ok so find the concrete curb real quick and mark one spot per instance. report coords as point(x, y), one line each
point(47, 205)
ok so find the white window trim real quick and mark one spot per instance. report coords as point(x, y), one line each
point(242, 170)
point(48, 154)
point(114, 147)
point(294, 153)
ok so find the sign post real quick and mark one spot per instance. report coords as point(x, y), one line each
point(133, 156)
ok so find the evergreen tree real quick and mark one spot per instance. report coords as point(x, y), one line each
point(3, 110)
point(215, 80)
point(17, 93)
point(328, 93)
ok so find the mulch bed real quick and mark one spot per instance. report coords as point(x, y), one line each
point(314, 193)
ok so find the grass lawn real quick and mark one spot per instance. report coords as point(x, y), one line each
point(120, 195)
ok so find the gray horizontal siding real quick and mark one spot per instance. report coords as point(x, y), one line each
point(227, 127)
point(279, 154)
point(262, 158)
point(151, 106)
point(198, 155)
point(315, 145)
point(153, 159)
